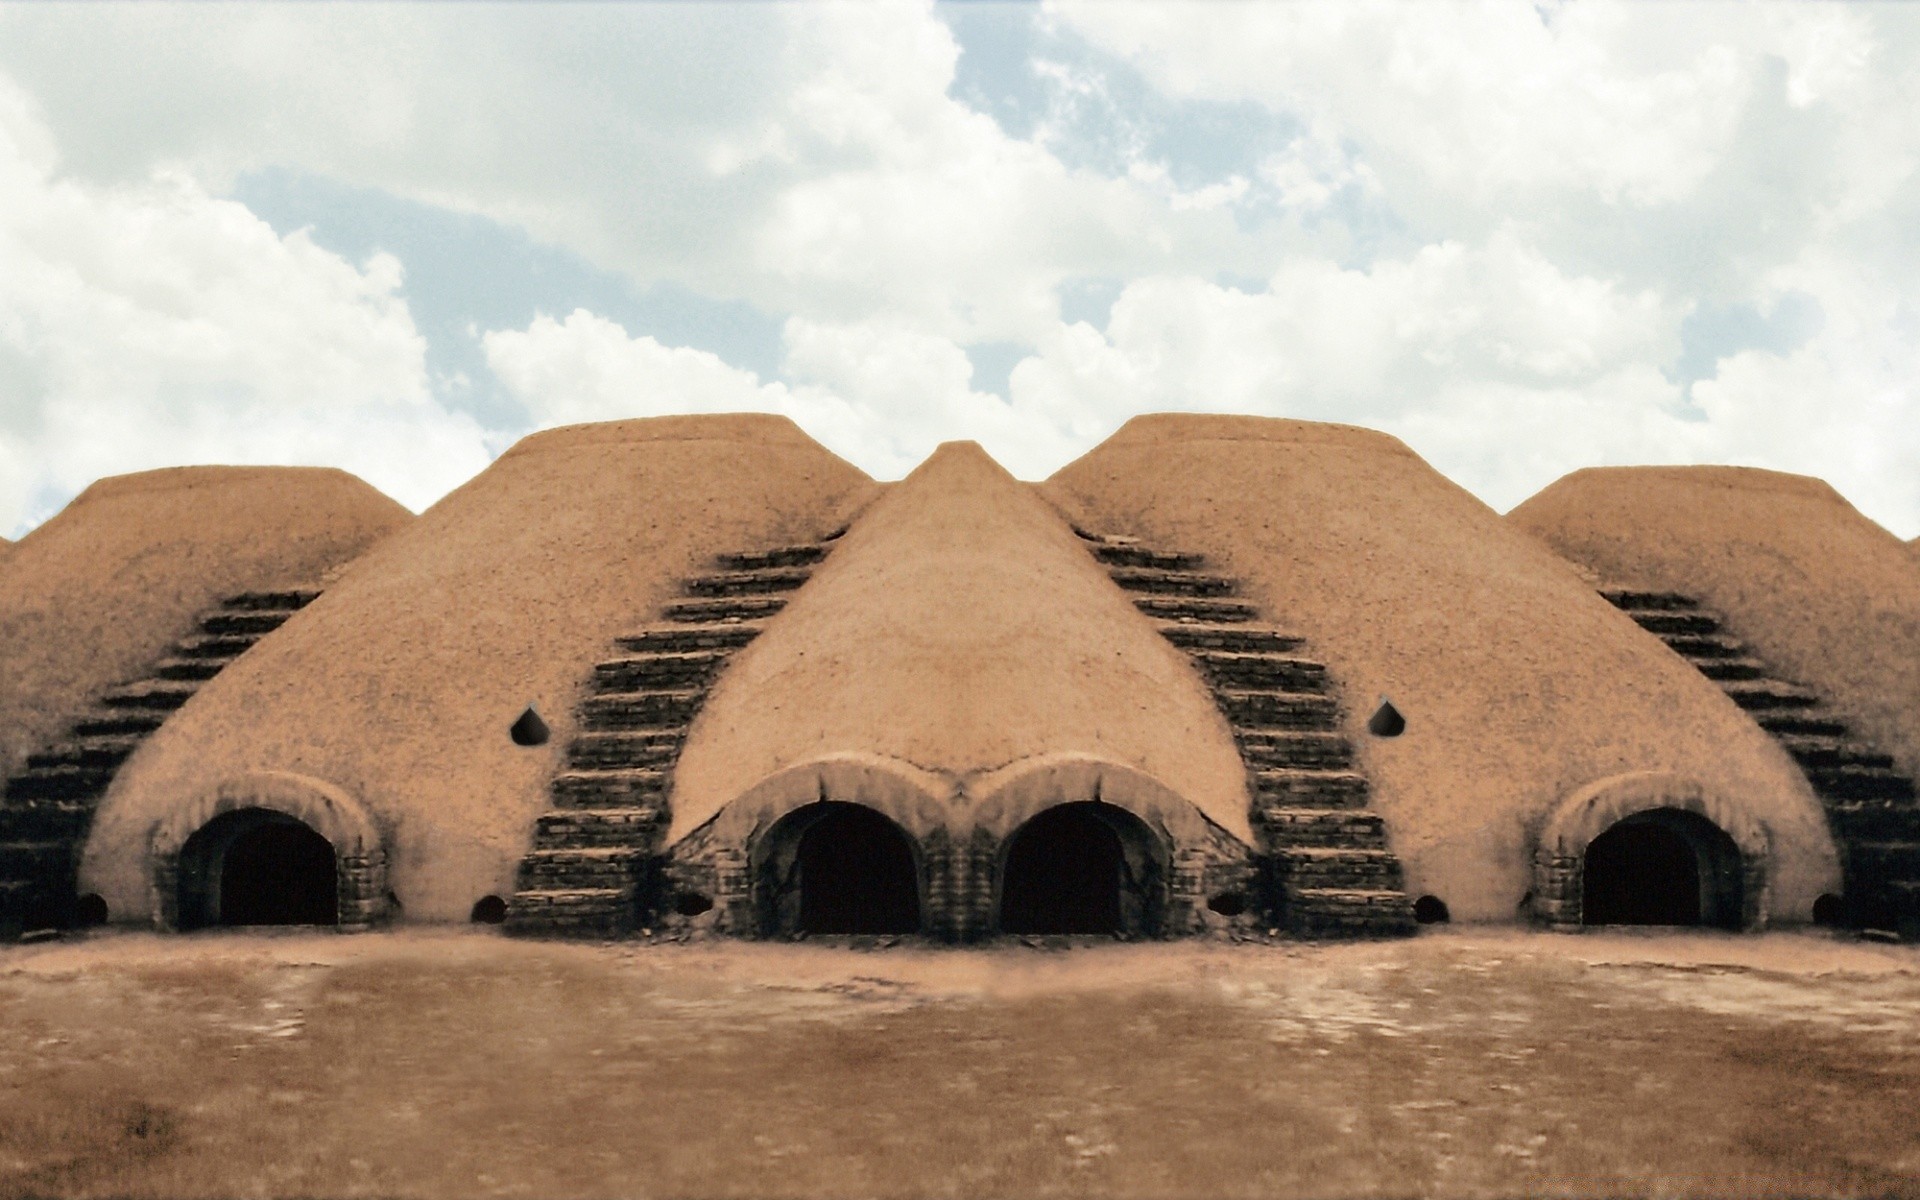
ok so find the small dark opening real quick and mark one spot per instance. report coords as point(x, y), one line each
point(1063, 874)
point(1431, 910)
point(489, 910)
point(1662, 867)
point(1829, 910)
point(1228, 904)
point(529, 729)
point(279, 873)
point(91, 911)
point(691, 904)
point(1386, 720)
point(857, 875)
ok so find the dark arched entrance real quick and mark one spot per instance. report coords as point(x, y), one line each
point(256, 866)
point(1664, 866)
point(835, 867)
point(1083, 867)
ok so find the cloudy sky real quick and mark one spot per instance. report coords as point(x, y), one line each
point(1524, 237)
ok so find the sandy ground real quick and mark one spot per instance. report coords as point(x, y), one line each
point(1461, 1063)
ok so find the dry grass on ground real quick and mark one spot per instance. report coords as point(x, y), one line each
point(454, 1063)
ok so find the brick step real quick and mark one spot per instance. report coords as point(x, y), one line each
point(1768, 695)
point(1886, 861)
point(1341, 868)
point(713, 609)
point(1728, 668)
point(615, 867)
point(1698, 646)
point(1811, 750)
point(41, 820)
point(1858, 821)
point(153, 695)
point(1689, 623)
point(1283, 710)
point(224, 646)
point(603, 912)
point(610, 789)
point(1860, 783)
point(243, 623)
point(623, 751)
point(636, 827)
point(804, 555)
point(1233, 639)
point(1229, 669)
point(60, 783)
point(1638, 600)
point(640, 710)
point(1349, 912)
point(288, 600)
point(687, 639)
point(35, 859)
point(1124, 555)
point(196, 669)
point(1197, 609)
point(644, 671)
point(1295, 749)
point(759, 582)
point(1159, 581)
point(1295, 788)
point(106, 752)
point(1356, 829)
point(1793, 722)
point(128, 721)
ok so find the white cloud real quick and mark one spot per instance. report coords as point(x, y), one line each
point(149, 324)
point(880, 394)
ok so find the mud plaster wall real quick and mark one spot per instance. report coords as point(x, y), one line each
point(1824, 596)
point(1519, 684)
point(399, 685)
point(959, 639)
point(100, 591)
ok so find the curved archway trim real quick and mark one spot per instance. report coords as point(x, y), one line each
point(1560, 851)
point(360, 851)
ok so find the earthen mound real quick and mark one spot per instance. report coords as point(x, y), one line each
point(390, 716)
point(1531, 714)
point(97, 593)
point(1823, 596)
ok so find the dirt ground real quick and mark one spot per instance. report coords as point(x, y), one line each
point(1460, 1063)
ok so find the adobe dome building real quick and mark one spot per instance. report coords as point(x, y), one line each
point(115, 611)
point(1806, 613)
point(1222, 674)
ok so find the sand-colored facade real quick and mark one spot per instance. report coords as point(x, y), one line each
point(962, 654)
point(961, 663)
point(382, 715)
point(93, 596)
point(1824, 596)
point(1535, 713)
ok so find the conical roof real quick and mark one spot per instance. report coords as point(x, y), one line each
point(960, 662)
point(1822, 595)
point(394, 693)
point(1525, 694)
point(97, 593)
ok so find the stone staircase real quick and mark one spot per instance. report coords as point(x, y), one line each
point(1870, 806)
point(591, 872)
point(1330, 871)
point(49, 806)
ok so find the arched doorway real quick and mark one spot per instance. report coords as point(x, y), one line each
point(1082, 867)
point(835, 867)
point(1664, 866)
point(255, 866)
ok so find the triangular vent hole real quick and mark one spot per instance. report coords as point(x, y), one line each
point(1386, 720)
point(530, 730)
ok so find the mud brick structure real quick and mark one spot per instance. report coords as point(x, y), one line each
point(1221, 676)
